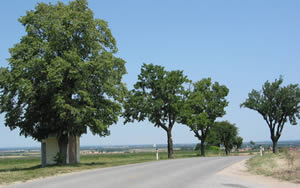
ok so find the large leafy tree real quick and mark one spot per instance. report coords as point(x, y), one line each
point(277, 104)
point(158, 96)
point(205, 103)
point(62, 77)
point(226, 134)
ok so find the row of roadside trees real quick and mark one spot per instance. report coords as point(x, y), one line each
point(168, 97)
point(64, 78)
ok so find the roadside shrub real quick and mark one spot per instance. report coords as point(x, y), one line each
point(214, 148)
point(59, 158)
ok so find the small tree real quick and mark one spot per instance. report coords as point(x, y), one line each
point(158, 96)
point(238, 142)
point(205, 103)
point(277, 105)
point(63, 76)
point(252, 143)
point(227, 135)
point(213, 138)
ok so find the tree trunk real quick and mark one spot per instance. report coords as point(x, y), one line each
point(63, 148)
point(170, 144)
point(202, 148)
point(275, 147)
point(226, 152)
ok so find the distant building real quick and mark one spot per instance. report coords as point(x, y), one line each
point(294, 149)
point(50, 148)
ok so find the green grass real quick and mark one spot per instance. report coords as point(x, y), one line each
point(27, 168)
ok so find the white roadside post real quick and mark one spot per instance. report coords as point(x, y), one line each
point(155, 146)
point(261, 150)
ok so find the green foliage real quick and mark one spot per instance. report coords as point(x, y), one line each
point(238, 142)
point(213, 139)
point(158, 96)
point(59, 158)
point(62, 75)
point(209, 150)
point(277, 104)
point(205, 103)
point(208, 147)
point(252, 143)
point(197, 147)
point(226, 134)
point(214, 148)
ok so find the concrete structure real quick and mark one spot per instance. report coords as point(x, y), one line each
point(50, 148)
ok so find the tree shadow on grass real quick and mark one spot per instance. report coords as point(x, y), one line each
point(16, 169)
point(88, 164)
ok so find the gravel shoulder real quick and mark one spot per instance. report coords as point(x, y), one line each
point(239, 170)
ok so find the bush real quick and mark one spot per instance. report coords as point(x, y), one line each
point(59, 158)
point(197, 148)
point(213, 148)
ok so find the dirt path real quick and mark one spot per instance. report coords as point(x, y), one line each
point(239, 170)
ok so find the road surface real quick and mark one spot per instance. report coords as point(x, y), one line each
point(178, 173)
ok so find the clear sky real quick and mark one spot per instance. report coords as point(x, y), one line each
point(238, 43)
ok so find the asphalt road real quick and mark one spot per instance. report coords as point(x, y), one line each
point(177, 173)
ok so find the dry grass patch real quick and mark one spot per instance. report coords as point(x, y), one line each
point(284, 166)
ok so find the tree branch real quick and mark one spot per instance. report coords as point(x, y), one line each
point(268, 122)
point(205, 131)
point(164, 127)
point(280, 126)
point(197, 134)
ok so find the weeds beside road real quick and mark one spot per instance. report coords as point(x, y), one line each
point(284, 166)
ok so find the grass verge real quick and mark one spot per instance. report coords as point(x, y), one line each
point(283, 166)
point(27, 168)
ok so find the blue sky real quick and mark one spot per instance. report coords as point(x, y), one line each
point(238, 43)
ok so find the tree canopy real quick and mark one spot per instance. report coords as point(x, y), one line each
point(226, 134)
point(205, 103)
point(277, 104)
point(63, 76)
point(158, 96)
